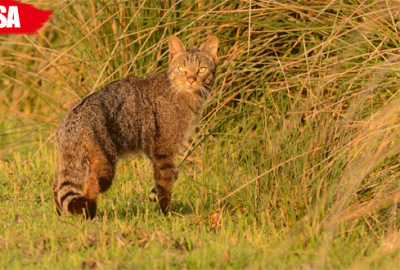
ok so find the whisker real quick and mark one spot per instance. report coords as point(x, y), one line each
point(207, 86)
point(203, 92)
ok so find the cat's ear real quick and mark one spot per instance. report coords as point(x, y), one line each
point(175, 47)
point(211, 47)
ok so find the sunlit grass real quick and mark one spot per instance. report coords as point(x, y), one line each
point(294, 164)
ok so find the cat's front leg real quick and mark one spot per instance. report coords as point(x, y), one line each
point(153, 195)
point(165, 175)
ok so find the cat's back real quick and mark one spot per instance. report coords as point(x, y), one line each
point(109, 95)
point(130, 98)
point(123, 91)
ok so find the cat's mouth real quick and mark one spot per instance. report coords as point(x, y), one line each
point(191, 87)
point(195, 88)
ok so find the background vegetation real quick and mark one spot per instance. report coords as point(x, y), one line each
point(294, 165)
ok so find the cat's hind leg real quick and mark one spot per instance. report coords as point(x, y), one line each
point(76, 159)
point(101, 175)
point(101, 171)
point(67, 189)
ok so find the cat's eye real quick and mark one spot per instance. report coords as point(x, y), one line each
point(202, 70)
point(181, 69)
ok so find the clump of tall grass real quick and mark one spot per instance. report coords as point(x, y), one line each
point(300, 130)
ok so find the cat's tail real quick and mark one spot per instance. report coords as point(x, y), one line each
point(69, 196)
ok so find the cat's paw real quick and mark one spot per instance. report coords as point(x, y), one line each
point(153, 195)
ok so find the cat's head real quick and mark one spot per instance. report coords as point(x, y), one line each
point(192, 70)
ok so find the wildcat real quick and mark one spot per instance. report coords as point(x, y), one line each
point(154, 115)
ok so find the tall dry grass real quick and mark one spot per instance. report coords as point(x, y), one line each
point(300, 129)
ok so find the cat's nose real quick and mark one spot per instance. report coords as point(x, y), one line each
point(191, 80)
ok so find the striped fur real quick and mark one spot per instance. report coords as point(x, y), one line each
point(154, 115)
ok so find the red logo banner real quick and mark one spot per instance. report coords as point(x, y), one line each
point(18, 18)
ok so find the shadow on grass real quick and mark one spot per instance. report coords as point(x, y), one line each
point(134, 210)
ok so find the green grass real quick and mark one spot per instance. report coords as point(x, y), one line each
point(129, 231)
point(294, 164)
